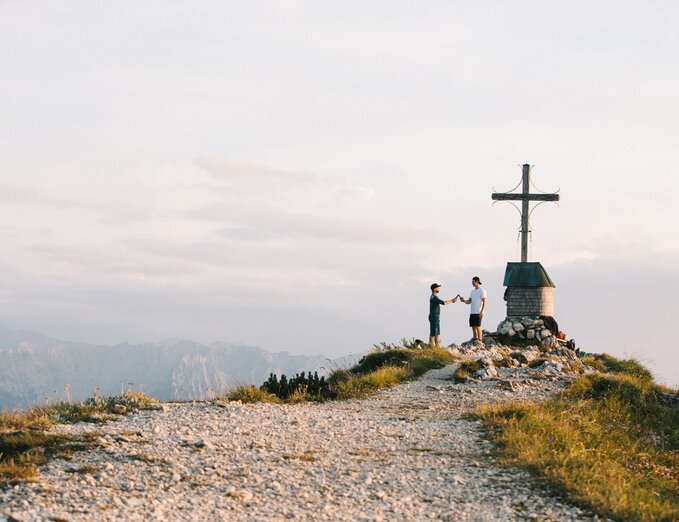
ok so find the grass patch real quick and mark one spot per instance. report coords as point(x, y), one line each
point(609, 441)
point(416, 360)
point(357, 386)
point(626, 366)
point(22, 452)
point(25, 442)
point(248, 393)
point(593, 362)
point(24, 420)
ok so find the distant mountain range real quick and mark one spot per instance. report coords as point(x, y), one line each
point(35, 368)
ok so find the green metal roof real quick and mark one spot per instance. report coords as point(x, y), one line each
point(526, 274)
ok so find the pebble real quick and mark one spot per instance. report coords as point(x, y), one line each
point(406, 453)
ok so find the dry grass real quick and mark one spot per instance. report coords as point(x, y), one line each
point(248, 393)
point(307, 456)
point(12, 471)
point(22, 452)
point(34, 419)
point(608, 442)
point(357, 386)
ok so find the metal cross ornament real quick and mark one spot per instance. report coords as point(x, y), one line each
point(525, 197)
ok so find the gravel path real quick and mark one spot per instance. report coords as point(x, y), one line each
point(405, 454)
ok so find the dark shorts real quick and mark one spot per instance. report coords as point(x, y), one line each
point(434, 325)
point(474, 320)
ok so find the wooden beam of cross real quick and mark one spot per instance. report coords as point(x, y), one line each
point(525, 197)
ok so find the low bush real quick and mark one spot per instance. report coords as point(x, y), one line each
point(301, 386)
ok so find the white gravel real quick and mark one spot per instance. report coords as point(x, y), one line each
point(407, 453)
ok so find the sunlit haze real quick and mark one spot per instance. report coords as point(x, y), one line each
point(294, 175)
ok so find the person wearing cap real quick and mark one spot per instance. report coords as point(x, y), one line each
point(477, 299)
point(435, 315)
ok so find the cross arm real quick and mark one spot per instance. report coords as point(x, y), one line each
point(520, 197)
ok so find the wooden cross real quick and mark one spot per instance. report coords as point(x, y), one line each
point(525, 197)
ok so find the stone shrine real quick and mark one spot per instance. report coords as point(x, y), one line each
point(529, 291)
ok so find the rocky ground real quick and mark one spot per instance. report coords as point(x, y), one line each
point(407, 453)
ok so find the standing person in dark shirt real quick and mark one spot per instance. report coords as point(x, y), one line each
point(434, 315)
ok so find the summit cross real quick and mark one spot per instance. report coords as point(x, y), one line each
point(525, 197)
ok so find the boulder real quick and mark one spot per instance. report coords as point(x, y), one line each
point(486, 373)
point(524, 357)
point(530, 334)
point(118, 409)
point(486, 362)
point(550, 342)
point(551, 368)
point(518, 327)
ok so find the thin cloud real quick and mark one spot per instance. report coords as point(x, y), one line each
point(314, 227)
point(248, 174)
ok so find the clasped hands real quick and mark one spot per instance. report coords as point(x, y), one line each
point(458, 296)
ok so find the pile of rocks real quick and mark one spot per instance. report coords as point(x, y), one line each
point(494, 359)
point(527, 328)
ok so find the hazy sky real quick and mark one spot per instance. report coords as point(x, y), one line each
point(294, 175)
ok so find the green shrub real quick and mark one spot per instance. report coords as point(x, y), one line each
point(375, 360)
point(311, 387)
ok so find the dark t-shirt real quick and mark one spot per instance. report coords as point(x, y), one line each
point(435, 304)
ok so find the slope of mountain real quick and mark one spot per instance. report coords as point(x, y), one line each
point(35, 368)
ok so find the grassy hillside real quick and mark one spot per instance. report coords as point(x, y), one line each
point(611, 441)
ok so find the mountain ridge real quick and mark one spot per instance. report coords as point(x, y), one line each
point(36, 368)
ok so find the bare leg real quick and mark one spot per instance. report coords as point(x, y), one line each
point(438, 341)
point(431, 341)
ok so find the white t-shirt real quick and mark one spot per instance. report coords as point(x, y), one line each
point(477, 295)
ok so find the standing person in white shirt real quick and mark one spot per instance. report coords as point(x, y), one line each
point(477, 299)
